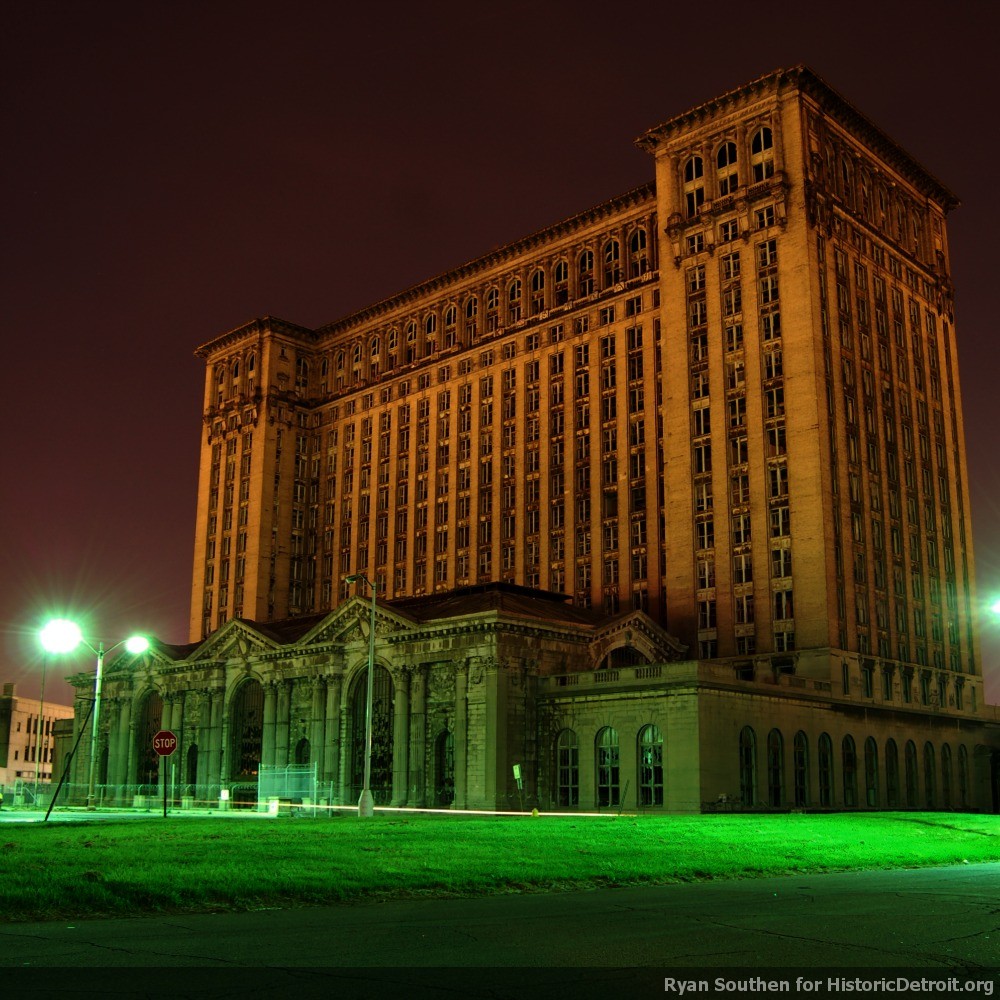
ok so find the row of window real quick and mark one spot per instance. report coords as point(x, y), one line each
point(726, 177)
point(927, 778)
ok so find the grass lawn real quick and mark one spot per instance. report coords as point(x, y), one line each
point(127, 867)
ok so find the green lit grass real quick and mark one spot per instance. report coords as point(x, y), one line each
point(159, 865)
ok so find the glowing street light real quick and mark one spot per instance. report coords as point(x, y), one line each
point(63, 636)
point(366, 804)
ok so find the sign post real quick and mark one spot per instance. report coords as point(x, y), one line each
point(164, 743)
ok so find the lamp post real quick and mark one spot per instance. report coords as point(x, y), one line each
point(63, 636)
point(40, 732)
point(366, 804)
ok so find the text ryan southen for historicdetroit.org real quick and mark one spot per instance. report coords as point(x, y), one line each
point(842, 984)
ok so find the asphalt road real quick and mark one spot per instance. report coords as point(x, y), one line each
point(579, 944)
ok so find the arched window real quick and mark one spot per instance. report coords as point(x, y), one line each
point(748, 766)
point(251, 364)
point(150, 716)
point(567, 769)
point(694, 185)
point(537, 302)
point(374, 356)
point(301, 375)
point(411, 342)
point(865, 193)
point(246, 728)
point(650, 766)
point(882, 202)
point(302, 751)
point(356, 356)
point(608, 790)
point(492, 310)
point(849, 762)
point(612, 263)
point(762, 155)
point(726, 173)
point(586, 272)
point(800, 768)
point(430, 335)
point(871, 773)
point(236, 371)
point(444, 769)
point(514, 301)
point(963, 777)
point(775, 769)
point(825, 761)
point(891, 774)
point(946, 776)
point(638, 262)
point(912, 783)
point(383, 694)
point(471, 314)
point(929, 789)
point(450, 326)
point(847, 182)
point(560, 280)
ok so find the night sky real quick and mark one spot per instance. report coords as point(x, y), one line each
point(172, 170)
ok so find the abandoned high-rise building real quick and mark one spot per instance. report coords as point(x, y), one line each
point(719, 413)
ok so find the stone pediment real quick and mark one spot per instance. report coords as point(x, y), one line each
point(640, 632)
point(235, 640)
point(350, 623)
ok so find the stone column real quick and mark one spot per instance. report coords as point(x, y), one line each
point(281, 724)
point(175, 762)
point(317, 725)
point(418, 737)
point(163, 763)
point(204, 743)
point(270, 712)
point(122, 749)
point(217, 769)
point(461, 733)
point(400, 736)
point(344, 779)
point(331, 746)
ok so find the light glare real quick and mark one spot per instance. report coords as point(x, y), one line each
point(60, 636)
point(137, 644)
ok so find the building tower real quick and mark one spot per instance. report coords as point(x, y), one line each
point(728, 398)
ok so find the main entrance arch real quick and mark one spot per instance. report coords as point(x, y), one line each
point(383, 695)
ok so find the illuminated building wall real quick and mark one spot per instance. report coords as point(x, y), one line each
point(721, 410)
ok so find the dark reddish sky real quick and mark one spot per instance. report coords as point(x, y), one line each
point(171, 170)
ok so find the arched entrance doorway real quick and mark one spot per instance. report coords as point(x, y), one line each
point(444, 769)
point(383, 693)
point(147, 760)
point(246, 728)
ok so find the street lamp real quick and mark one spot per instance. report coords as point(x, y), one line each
point(63, 636)
point(366, 804)
point(40, 731)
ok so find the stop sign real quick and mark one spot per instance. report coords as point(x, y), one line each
point(164, 743)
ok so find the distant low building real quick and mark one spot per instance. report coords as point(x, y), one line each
point(26, 737)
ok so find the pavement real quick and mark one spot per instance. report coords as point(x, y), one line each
point(878, 925)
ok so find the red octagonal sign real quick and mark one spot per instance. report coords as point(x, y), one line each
point(164, 743)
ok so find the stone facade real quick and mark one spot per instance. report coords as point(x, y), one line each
point(723, 407)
